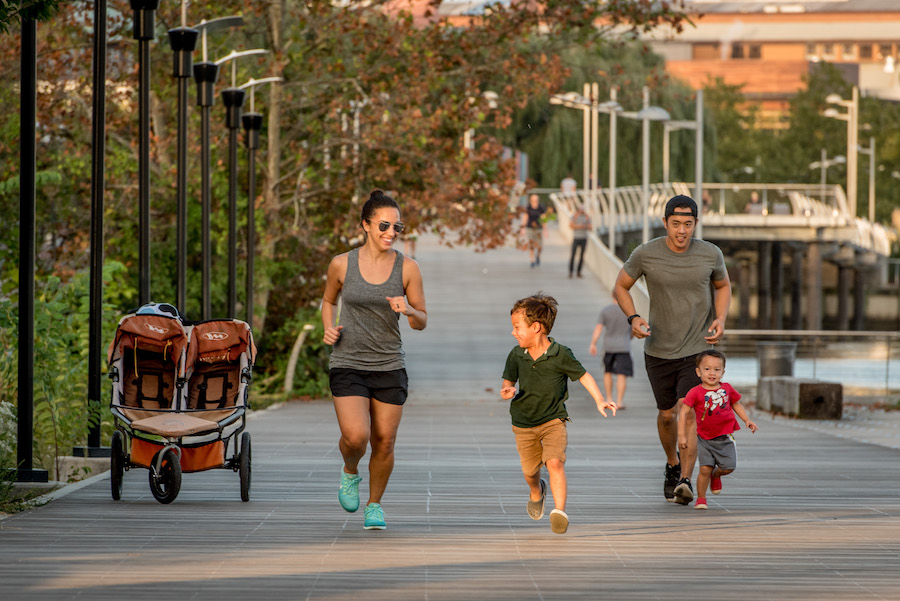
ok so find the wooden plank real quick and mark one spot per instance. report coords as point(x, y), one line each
point(806, 515)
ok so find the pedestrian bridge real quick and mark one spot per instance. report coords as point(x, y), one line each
point(793, 249)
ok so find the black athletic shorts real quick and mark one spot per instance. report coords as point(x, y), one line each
point(618, 363)
point(671, 379)
point(385, 386)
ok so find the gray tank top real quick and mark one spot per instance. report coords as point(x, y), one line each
point(370, 339)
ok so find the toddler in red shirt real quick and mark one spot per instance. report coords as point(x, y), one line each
point(715, 404)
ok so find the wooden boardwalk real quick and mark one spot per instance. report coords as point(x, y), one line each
point(807, 515)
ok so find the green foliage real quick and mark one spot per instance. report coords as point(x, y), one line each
point(61, 352)
point(13, 11)
point(311, 373)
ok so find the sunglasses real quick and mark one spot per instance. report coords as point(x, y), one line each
point(384, 225)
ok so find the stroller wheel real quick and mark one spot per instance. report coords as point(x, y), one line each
point(166, 483)
point(116, 465)
point(244, 466)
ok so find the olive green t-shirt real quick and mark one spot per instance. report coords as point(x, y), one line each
point(543, 387)
point(681, 297)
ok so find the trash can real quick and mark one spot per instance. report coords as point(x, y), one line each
point(776, 358)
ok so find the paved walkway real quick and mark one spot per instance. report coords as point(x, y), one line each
point(807, 515)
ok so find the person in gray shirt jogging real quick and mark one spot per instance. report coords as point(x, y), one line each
point(689, 297)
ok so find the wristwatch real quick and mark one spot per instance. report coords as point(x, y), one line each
point(631, 318)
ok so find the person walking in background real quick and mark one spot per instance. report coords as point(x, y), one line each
point(689, 298)
point(533, 227)
point(581, 225)
point(714, 404)
point(568, 186)
point(616, 350)
point(541, 367)
point(367, 369)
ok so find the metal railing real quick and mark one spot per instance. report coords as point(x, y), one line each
point(784, 205)
point(849, 355)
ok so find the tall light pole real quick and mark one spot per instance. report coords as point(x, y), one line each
point(592, 107)
point(697, 126)
point(233, 99)
point(823, 164)
point(871, 152)
point(852, 119)
point(252, 122)
point(183, 41)
point(205, 74)
point(647, 114)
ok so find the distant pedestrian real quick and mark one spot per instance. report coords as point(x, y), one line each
point(616, 331)
point(581, 226)
point(367, 369)
point(715, 404)
point(541, 367)
point(568, 186)
point(533, 227)
point(689, 298)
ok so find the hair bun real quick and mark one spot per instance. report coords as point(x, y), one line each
point(375, 193)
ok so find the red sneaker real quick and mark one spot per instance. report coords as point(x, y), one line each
point(715, 485)
point(700, 504)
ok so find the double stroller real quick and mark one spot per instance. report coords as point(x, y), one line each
point(180, 396)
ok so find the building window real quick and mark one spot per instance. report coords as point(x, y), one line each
point(754, 51)
point(884, 51)
point(811, 51)
point(737, 51)
point(848, 51)
point(828, 50)
point(865, 51)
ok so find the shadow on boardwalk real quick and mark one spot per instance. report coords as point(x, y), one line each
point(806, 515)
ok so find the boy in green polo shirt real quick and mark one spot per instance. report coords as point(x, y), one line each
point(541, 365)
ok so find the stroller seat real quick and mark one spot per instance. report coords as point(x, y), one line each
point(174, 425)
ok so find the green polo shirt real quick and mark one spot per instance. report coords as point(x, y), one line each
point(543, 388)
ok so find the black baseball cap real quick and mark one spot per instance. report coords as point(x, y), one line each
point(681, 201)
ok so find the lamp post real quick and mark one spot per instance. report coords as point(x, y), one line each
point(852, 119)
point(233, 98)
point(824, 163)
point(697, 126)
point(252, 122)
point(871, 152)
point(647, 114)
point(183, 41)
point(205, 75)
point(591, 107)
point(144, 33)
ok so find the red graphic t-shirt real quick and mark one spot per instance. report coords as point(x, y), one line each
point(715, 417)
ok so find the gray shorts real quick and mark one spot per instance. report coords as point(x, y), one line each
point(720, 451)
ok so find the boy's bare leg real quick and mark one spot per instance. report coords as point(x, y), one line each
point(534, 483)
point(557, 472)
point(620, 390)
point(703, 478)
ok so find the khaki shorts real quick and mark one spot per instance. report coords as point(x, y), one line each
point(538, 445)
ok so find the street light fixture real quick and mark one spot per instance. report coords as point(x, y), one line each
point(824, 164)
point(252, 122)
point(205, 74)
point(233, 98)
point(852, 119)
point(871, 152)
point(647, 114)
point(697, 126)
point(592, 107)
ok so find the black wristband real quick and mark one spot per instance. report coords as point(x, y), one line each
point(631, 318)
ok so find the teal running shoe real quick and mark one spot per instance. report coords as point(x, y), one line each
point(374, 517)
point(348, 493)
